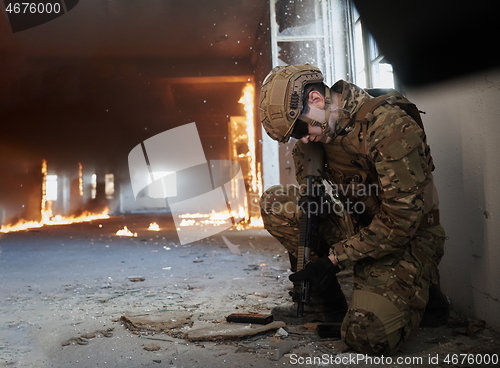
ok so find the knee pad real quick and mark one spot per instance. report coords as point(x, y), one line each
point(279, 198)
point(375, 326)
point(365, 332)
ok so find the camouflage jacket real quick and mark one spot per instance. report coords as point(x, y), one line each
point(384, 168)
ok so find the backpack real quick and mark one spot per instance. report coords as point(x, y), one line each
point(382, 96)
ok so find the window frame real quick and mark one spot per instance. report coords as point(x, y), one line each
point(370, 56)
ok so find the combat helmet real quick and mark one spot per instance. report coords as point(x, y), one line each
point(281, 100)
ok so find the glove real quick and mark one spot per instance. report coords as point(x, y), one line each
point(315, 271)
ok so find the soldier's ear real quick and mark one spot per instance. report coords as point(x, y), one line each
point(316, 99)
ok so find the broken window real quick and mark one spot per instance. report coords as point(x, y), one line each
point(371, 70)
point(300, 33)
point(328, 34)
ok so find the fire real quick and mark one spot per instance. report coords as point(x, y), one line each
point(243, 151)
point(213, 218)
point(84, 217)
point(47, 217)
point(80, 179)
point(197, 219)
point(125, 232)
point(154, 226)
point(255, 222)
point(254, 175)
point(219, 219)
point(247, 100)
point(44, 190)
point(20, 226)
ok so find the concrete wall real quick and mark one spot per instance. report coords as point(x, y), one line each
point(462, 125)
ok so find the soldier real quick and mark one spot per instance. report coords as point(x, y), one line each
point(381, 165)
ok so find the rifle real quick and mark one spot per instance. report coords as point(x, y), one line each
point(311, 204)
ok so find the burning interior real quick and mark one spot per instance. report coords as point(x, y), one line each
point(74, 104)
point(74, 192)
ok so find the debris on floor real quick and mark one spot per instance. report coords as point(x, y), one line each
point(282, 348)
point(227, 330)
point(83, 339)
point(152, 347)
point(178, 316)
point(136, 278)
point(156, 322)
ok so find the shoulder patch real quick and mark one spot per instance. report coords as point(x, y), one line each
point(401, 148)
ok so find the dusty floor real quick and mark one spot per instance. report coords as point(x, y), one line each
point(64, 290)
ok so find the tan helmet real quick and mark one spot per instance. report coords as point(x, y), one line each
point(281, 99)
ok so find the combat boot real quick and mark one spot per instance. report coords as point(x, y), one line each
point(328, 305)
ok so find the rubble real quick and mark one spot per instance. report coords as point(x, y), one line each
point(227, 330)
point(83, 339)
point(152, 347)
point(136, 278)
point(282, 348)
point(156, 322)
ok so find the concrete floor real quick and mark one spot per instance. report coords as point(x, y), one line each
point(65, 288)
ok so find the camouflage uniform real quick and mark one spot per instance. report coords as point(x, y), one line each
point(383, 167)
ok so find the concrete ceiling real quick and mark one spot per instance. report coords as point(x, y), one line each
point(145, 29)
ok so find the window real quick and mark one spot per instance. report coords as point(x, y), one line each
point(328, 34)
point(301, 34)
point(370, 69)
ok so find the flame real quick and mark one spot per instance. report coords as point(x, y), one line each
point(47, 217)
point(247, 100)
point(213, 218)
point(197, 219)
point(44, 189)
point(20, 226)
point(254, 222)
point(154, 226)
point(80, 179)
point(86, 216)
point(220, 218)
point(242, 135)
point(253, 219)
point(125, 232)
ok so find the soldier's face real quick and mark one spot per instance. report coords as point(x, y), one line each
point(314, 134)
point(316, 104)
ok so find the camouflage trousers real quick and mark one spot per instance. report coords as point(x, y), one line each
point(390, 293)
